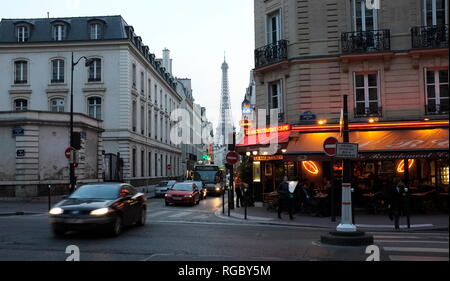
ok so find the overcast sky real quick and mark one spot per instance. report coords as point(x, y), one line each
point(197, 32)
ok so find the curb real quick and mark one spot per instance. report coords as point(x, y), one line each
point(19, 214)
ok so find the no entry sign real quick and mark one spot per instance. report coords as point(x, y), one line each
point(232, 158)
point(330, 146)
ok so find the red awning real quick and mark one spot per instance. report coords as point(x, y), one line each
point(381, 142)
point(264, 139)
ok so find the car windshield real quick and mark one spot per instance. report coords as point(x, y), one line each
point(164, 183)
point(96, 192)
point(182, 187)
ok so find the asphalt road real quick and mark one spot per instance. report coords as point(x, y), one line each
point(184, 233)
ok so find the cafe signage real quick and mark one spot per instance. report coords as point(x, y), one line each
point(268, 158)
point(275, 129)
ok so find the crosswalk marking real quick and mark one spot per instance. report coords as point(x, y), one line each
point(415, 249)
point(179, 215)
point(417, 258)
point(159, 213)
point(409, 241)
point(201, 217)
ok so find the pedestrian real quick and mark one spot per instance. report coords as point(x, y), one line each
point(238, 190)
point(285, 200)
point(396, 199)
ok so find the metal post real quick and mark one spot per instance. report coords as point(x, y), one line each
point(245, 202)
point(223, 202)
point(406, 203)
point(72, 167)
point(49, 197)
point(346, 224)
point(333, 214)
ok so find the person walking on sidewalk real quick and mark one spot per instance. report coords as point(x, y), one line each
point(285, 198)
point(238, 190)
point(396, 201)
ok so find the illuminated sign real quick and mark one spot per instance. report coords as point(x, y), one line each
point(311, 167)
point(276, 129)
point(401, 165)
point(245, 123)
point(268, 158)
point(247, 107)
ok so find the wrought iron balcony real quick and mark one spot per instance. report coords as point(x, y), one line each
point(435, 36)
point(436, 109)
point(368, 112)
point(271, 53)
point(366, 41)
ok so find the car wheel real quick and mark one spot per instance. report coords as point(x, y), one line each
point(198, 201)
point(58, 232)
point(116, 226)
point(142, 218)
point(167, 204)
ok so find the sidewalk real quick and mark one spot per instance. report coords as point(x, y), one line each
point(10, 206)
point(366, 222)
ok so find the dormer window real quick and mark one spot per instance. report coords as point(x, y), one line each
point(59, 32)
point(96, 31)
point(23, 33)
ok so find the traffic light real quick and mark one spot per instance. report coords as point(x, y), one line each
point(76, 140)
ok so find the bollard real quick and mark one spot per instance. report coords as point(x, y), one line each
point(49, 197)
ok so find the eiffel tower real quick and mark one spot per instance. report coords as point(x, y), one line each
point(225, 126)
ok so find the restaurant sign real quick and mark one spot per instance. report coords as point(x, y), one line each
point(268, 158)
point(268, 130)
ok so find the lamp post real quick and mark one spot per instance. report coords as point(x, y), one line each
point(72, 167)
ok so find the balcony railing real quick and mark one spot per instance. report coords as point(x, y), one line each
point(271, 53)
point(436, 109)
point(368, 112)
point(366, 41)
point(435, 36)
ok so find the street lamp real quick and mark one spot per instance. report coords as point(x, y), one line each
point(88, 63)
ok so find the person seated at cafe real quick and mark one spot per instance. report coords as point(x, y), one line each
point(307, 198)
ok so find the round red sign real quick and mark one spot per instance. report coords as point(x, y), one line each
point(232, 157)
point(330, 146)
point(68, 152)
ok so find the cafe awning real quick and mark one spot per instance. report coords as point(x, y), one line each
point(385, 144)
point(263, 139)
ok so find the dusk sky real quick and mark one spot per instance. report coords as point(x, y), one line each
point(197, 33)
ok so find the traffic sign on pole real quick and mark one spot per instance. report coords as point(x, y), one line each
point(329, 146)
point(232, 157)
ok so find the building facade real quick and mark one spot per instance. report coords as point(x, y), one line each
point(124, 86)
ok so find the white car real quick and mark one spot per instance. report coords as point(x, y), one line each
point(162, 187)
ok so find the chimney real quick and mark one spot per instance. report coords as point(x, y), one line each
point(167, 61)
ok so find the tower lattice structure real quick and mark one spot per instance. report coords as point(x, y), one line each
point(225, 126)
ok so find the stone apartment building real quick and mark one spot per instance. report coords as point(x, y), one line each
point(392, 61)
point(125, 86)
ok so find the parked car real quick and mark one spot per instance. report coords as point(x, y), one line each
point(162, 187)
point(201, 187)
point(104, 206)
point(183, 193)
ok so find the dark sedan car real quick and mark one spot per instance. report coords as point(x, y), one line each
point(183, 193)
point(107, 206)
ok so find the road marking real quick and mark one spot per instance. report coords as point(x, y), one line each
point(390, 225)
point(159, 213)
point(416, 258)
point(201, 217)
point(397, 236)
point(410, 241)
point(179, 215)
point(415, 249)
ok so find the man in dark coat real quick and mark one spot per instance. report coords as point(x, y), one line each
point(285, 201)
point(396, 197)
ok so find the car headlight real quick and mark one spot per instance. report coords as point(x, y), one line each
point(100, 212)
point(188, 196)
point(56, 211)
point(217, 188)
point(168, 195)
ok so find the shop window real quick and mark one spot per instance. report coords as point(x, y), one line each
point(444, 175)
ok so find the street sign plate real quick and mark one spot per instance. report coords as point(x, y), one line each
point(347, 150)
point(329, 146)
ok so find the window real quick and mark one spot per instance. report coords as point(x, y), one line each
point(150, 89)
point(142, 83)
point(20, 72)
point(437, 91)
point(364, 19)
point(59, 32)
point(96, 31)
point(435, 12)
point(57, 71)
point(156, 94)
point(95, 107)
point(23, 34)
point(142, 163)
point(165, 102)
point(57, 105)
point(156, 165)
point(133, 162)
point(149, 124)
point(273, 27)
point(134, 76)
point(162, 129)
point(275, 96)
point(367, 95)
point(95, 71)
point(156, 126)
point(149, 164)
point(20, 105)
point(160, 98)
point(133, 116)
point(142, 120)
